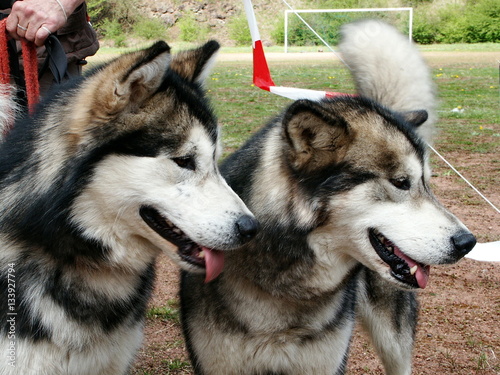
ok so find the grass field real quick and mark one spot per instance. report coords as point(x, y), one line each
point(470, 89)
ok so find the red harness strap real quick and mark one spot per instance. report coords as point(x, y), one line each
point(30, 66)
point(31, 73)
point(4, 55)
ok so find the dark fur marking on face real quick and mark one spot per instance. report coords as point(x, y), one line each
point(332, 179)
point(146, 142)
point(192, 94)
point(398, 121)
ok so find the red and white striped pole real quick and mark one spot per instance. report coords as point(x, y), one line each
point(262, 75)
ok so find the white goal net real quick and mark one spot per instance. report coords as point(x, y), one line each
point(321, 26)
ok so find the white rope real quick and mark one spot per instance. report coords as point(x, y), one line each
point(463, 178)
point(317, 35)
point(437, 153)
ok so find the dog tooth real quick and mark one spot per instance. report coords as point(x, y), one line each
point(201, 254)
point(414, 269)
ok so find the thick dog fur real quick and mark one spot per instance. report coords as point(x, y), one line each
point(349, 227)
point(111, 171)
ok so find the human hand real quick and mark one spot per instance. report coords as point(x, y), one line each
point(35, 20)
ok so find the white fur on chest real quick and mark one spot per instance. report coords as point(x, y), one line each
point(104, 356)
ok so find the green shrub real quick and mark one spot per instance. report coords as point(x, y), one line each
point(112, 29)
point(471, 22)
point(190, 29)
point(149, 28)
point(97, 9)
point(114, 19)
point(423, 33)
point(278, 33)
point(239, 30)
point(328, 26)
point(483, 22)
point(122, 11)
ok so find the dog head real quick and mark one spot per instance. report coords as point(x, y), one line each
point(364, 174)
point(149, 143)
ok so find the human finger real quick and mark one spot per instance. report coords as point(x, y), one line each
point(21, 30)
point(12, 26)
point(18, 21)
point(41, 35)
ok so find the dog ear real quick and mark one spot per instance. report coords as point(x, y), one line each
point(129, 80)
point(415, 118)
point(125, 82)
point(195, 65)
point(144, 76)
point(317, 137)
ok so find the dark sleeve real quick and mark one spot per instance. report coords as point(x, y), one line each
point(6, 4)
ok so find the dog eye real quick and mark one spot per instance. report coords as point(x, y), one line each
point(186, 162)
point(402, 183)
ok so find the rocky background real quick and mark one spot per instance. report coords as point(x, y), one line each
point(214, 15)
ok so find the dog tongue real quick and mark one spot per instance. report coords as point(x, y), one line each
point(422, 273)
point(214, 263)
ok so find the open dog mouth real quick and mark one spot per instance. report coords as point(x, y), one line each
point(403, 268)
point(196, 255)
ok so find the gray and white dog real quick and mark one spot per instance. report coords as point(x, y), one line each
point(112, 170)
point(349, 226)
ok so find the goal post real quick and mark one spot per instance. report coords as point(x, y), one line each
point(359, 10)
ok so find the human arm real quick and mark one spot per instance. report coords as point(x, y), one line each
point(35, 20)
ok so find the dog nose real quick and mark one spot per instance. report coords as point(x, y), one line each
point(247, 227)
point(463, 242)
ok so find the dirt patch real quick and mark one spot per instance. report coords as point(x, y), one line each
point(458, 330)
